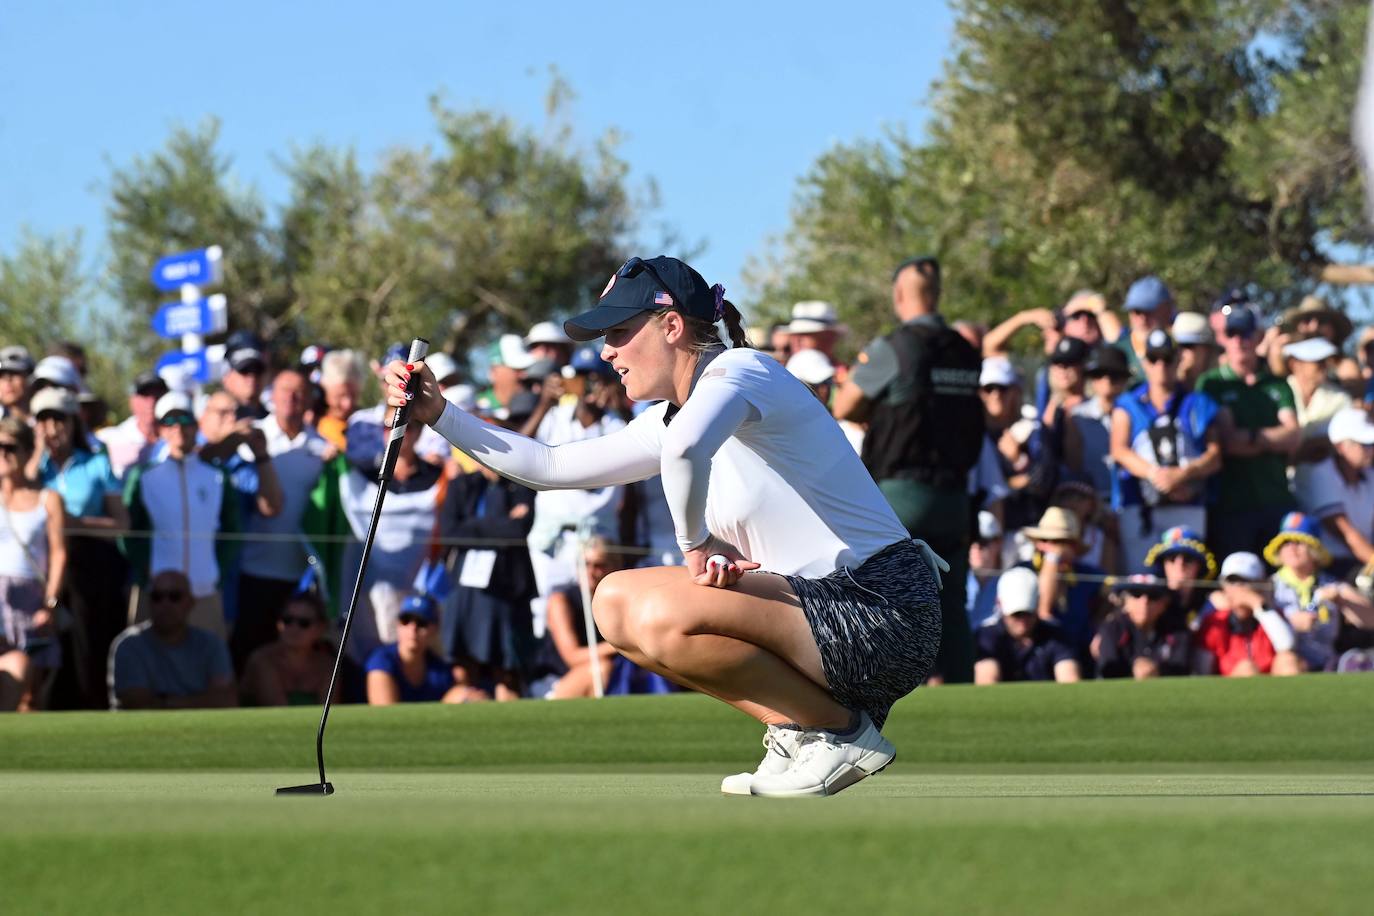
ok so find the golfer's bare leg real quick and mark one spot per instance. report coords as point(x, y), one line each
point(749, 645)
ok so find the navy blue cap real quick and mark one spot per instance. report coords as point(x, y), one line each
point(588, 359)
point(1159, 345)
point(1070, 351)
point(394, 352)
point(1147, 294)
point(1242, 320)
point(419, 605)
point(642, 285)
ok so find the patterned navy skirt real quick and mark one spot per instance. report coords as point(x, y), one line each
point(877, 626)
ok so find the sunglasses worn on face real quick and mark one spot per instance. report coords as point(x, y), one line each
point(996, 389)
point(157, 595)
point(1159, 359)
point(300, 623)
point(8, 448)
point(51, 416)
point(177, 419)
point(1144, 593)
point(410, 620)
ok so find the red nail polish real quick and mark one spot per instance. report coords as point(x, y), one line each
point(410, 367)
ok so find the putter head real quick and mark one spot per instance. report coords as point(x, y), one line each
point(314, 788)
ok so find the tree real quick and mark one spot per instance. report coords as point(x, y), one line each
point(1083, 145)
point(493, 227)
point(44, 291)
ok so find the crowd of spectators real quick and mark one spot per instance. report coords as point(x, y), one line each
point(198, 552)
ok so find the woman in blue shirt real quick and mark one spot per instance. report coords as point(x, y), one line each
point(94, 512)
point(406, 671)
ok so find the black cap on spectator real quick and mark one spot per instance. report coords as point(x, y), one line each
point(148, 384)
point(16, 359)
point(1108, 360)
point(1241, 320)
point(1070, 351)
point(1159, 345)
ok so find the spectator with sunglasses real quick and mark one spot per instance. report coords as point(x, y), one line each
point(1165, 443)
point(1258, 429)
point(1315, 401)
point(1108, 374)
point(177, 508)
point(15, 367)
point(165, 662)
point(294, 670)
point(408, 671)
point(1141, 640)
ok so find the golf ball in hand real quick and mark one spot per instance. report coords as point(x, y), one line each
point(717, 560)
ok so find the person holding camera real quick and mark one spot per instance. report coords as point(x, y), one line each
point(33, 561)
point(1165, 442)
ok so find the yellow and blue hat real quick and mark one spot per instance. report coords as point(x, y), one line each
point(1304, 530)
point(1181, 539)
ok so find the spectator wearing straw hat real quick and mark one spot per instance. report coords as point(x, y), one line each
point(1245, 635)
point(1314, 602)
point(1312, 318)
point(1165, 445)
point(1197, 347)
point(1020, 645)
point(1141, 640)
point(1184, 562)
point(1258, 429)
point(1339, 491)
point(1070, 590)
point(15, 367)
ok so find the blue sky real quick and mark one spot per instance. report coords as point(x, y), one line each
point(725, 105)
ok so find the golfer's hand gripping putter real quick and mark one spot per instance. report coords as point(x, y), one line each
point(419, 349)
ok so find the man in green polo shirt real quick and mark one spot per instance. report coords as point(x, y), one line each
point(918, 390)
point(1259, 431)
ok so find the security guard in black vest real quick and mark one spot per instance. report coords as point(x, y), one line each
point(918, 390)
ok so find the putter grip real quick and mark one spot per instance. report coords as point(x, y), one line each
point(419, 349)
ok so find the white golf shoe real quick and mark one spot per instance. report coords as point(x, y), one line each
point(781, 744)
point(825, 763)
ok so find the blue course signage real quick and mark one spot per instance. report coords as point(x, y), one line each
point(193, 366)
point(200, 267)
point(202, 316)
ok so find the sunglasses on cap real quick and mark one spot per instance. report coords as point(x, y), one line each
point(414, 620)
point(636, 266)
point(177, 419)
point(158, 596)
point(1236, 580)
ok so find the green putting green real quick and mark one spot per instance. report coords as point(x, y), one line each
point(1199, 795)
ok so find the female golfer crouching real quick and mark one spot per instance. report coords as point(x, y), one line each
point(845, 622)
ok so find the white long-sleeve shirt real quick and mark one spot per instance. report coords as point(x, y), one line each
point(752, 457)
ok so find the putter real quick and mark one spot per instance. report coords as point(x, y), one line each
point(419, 349)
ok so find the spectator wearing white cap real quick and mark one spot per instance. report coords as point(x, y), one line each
point(1339, 491)
point(15, 366)
point(177, 507)
point(815, 325)
point(1197, 347)
point(1019, 645)
point(1245, 635)
point(984, 568)
point(547, 340)
point(815, 370)
point(1316, 400)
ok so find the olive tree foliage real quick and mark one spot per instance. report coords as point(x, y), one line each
point(1076, 145)
point(491, 226)
point(44, 291)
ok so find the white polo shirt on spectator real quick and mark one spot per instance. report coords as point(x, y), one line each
point(183, 500)
point(556, 510)
point(126, 446)
point(298, 462)
point(1325, 493)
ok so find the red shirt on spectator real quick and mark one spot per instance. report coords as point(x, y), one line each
point(1235, 642)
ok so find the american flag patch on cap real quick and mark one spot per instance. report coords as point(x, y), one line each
point(662, 298)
